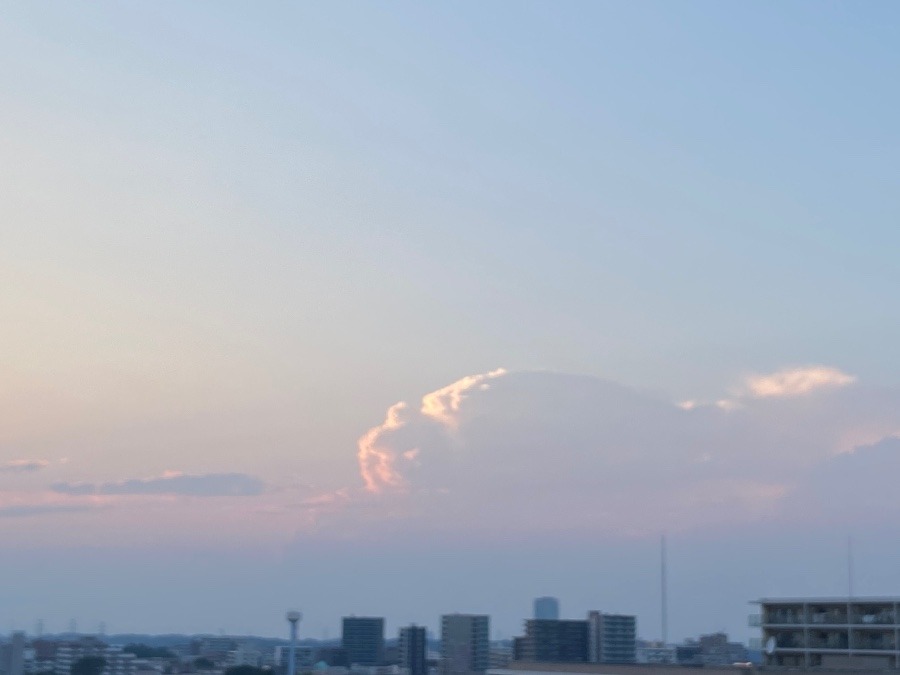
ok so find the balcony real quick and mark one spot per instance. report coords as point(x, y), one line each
point(792, 616)
point(828, 640)
point(872, 640)
point(879, 615)
point(788, 639)
point(834, 615)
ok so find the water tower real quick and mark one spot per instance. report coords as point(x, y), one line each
point(293, 618)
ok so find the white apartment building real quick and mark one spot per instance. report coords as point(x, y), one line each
point(851, 633)
point(117, 661)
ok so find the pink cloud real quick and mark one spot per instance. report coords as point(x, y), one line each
point(796, 381)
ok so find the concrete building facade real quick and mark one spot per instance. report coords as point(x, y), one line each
point(612, 638)
point(465, 643)
point(832, 633)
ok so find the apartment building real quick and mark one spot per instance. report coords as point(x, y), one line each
point(465, 646)
point(852, 633)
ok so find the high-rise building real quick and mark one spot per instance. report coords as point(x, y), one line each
point(465, 644)
point(412, 644)
point(612, 638)
point(554, 641)
point(546, 608)
point(362, 638)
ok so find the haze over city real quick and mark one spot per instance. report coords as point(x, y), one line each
point(408, 309)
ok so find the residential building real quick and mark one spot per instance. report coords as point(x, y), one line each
point(688, 653)
point(117, 661)
point(833, 633)
point(244, 656)
point(44, 654)
point(655, 652)
point(412, 646)
point(554, 641)
point(500, 654)
point(334, 657)
point(214, 648)
point(305, 656)
point(465, 646)
point(362, 638)
point(612, 638)
point(526, 668)
point(546, 608)
point(716, 650)
point(12, 655)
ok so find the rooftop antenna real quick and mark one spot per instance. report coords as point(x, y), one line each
point(664, 604)
point(73, 626)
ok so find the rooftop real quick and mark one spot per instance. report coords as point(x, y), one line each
point(887, 599)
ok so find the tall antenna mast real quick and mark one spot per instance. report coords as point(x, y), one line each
point(850, 565)
point(664, 609)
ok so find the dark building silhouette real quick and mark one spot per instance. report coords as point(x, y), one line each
point(362, 638)
point(553, 640)
point(412, 645)
point(711, 650)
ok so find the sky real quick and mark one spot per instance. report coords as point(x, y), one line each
point(405, 309)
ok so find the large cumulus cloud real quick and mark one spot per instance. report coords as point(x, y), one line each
point(523, 450)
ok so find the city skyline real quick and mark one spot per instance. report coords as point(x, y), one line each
point(417, 309)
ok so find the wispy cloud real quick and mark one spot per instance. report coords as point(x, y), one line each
point(172, 483)
point(22, 504)
point(24, 465)
point(27, 510)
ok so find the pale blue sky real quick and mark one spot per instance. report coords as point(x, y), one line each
point(232, 235)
